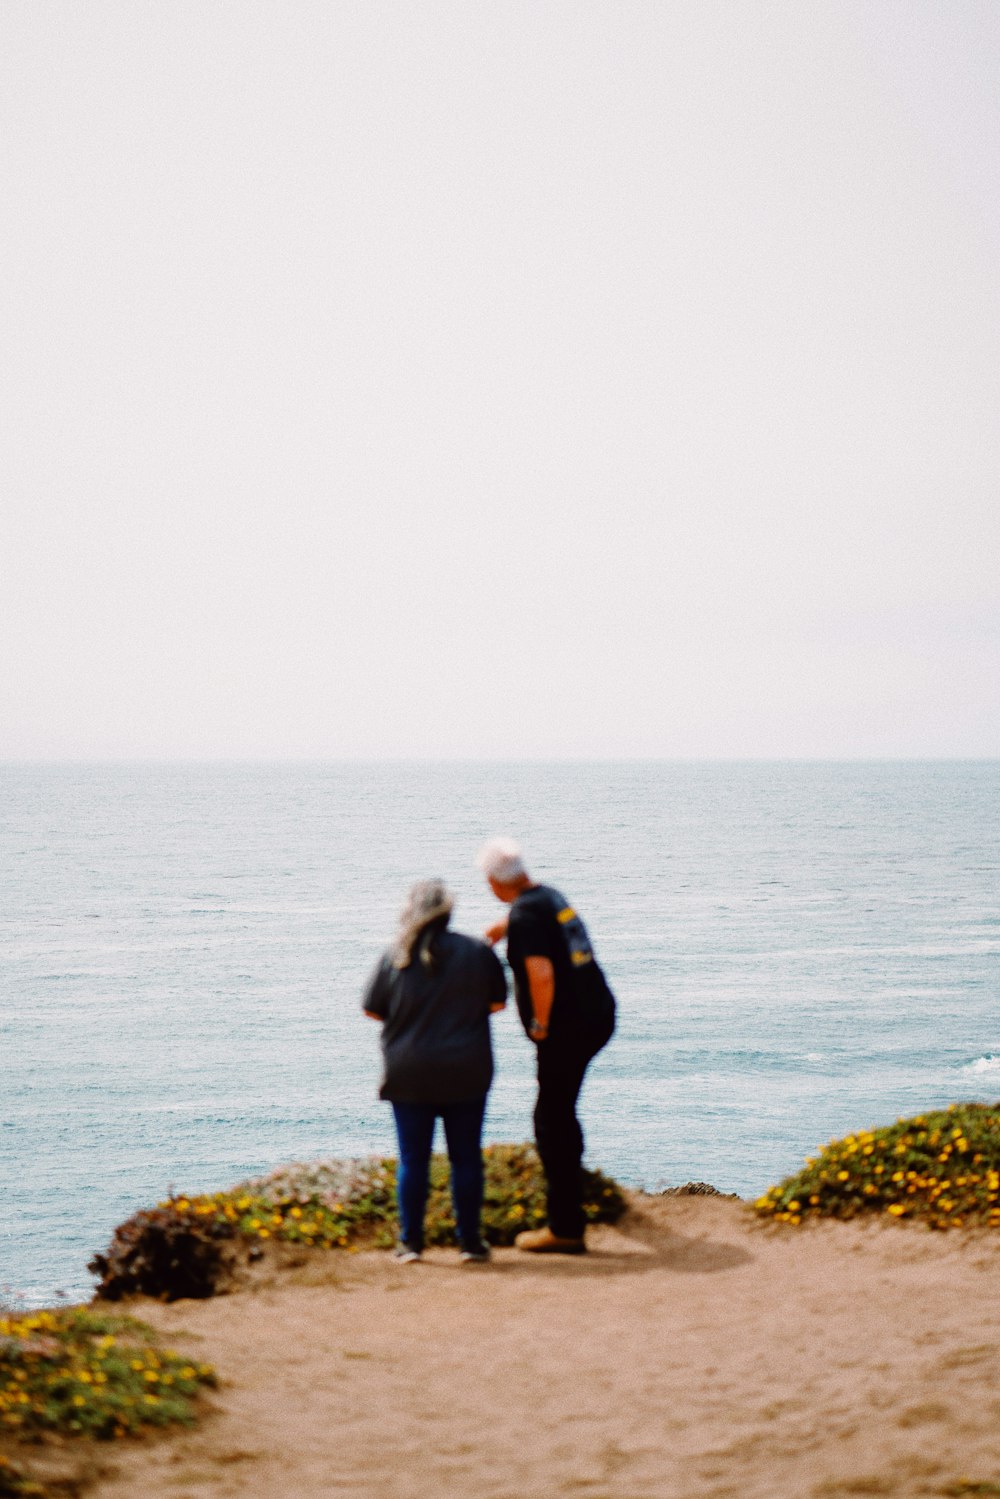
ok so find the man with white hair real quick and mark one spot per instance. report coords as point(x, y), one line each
point(568, 1011)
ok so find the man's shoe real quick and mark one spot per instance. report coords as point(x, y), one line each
point(403, 1254)
point(544, 1241)
point(478, 1256)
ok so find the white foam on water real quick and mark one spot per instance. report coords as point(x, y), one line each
point(983, 1066)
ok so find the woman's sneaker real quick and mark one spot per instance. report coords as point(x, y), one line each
point(403, 1254)
point(478, 1256)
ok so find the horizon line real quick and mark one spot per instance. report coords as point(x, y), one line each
point(281, 760)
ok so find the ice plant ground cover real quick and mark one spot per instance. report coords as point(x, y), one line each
point(183, 1246)
point(90, 1374)
point(941, 1168)
point(335, 1202)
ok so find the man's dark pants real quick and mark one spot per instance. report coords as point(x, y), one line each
point(562, 1063)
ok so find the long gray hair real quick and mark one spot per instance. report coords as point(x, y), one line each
point(428, 907)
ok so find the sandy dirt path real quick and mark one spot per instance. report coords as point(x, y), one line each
point(692, 1353)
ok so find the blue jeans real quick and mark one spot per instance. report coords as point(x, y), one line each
point(463, 1132)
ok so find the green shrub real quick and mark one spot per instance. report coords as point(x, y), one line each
point(514, 1196)
point(184, 1246)
point(942, 1168)
point(90, 1374)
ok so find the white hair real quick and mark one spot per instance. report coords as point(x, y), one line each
point(500, 859)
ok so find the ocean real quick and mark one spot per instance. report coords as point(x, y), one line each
point(798, 949)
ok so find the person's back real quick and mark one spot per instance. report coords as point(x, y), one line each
point(543, 923)
point(436, 1030)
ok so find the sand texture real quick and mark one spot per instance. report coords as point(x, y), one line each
point(694, 1352)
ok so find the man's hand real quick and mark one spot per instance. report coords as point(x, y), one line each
point(497, 932)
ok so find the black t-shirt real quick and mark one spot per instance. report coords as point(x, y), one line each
point(544, 925)
point(436, 1025)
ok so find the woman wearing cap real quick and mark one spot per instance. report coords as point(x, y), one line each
point(434, 991)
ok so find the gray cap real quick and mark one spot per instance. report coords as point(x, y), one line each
point(427, 901)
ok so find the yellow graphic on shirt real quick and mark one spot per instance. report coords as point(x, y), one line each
point(577, 941)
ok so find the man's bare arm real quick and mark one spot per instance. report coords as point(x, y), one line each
point(542, 988)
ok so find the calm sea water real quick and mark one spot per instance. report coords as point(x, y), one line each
point(798, 949)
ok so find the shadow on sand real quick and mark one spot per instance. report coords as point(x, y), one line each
point(639, 1242)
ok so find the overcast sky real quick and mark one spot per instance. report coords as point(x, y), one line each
point(615, 377)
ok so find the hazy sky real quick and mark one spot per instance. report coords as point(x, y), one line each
point(615, 377)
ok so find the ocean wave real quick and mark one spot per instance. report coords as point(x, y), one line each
point(983, 1065)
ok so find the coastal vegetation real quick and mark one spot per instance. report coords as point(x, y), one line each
point(90, 1374)
point(941, 1168)
point(187, 1245)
